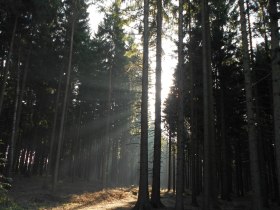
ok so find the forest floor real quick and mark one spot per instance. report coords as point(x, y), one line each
point(33, 194)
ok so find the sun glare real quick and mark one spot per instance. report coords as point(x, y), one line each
point(168, 58)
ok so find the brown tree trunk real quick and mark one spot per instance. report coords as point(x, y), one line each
point(155, 196)
point(169, 161)
point(224, 147)
point(210, 183)
point(143, 193)
point(180, 125)
point(193, 136)
point(174, 168)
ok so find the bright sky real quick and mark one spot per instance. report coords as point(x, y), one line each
point(168, 60)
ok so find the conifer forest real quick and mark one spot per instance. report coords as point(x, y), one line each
point(84, 123)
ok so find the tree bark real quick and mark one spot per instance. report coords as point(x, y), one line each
point(224, 147)
point(210, 182)
point(275, 65)
point(253, 144)
point(143, 193)
point(169, 161)
point(193, 136)
point(174, 169)
point(180, 125)
point(155, 197)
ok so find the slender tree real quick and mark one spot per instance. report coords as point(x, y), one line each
point(225, 164)
point(54, 125)
point(61, 127)
point(143, 194)
point(180, 125)
point(155, 197)
point(169, 160)
point(15, 116)
point(193, 116)
point(253, 144)
point(275, 65)
point(107, 141)
point(210, 192)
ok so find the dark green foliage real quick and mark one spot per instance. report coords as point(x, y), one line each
point(229, 96)
point(44, 30)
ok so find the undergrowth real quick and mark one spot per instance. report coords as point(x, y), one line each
point(5, 202)
point(8, 204)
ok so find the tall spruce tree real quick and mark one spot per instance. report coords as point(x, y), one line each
point(253, 144)
point(143, 194)
point(275, 61)
point(180, 121)
point(155, 196)
point(209, 160)
point(65, 98)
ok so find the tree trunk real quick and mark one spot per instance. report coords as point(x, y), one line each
point(107, 141)
point(60, 137)
point(155, 197)
point(50, 168)
point(8, 61)
point(174, 168)
point(210, 183)
point(224, 147)
point(180, 125)
point(14, 131)
point(77, 144)
point(143, 194)
point(169, 161)
point(253, 144)
point(275, 64)
point(194, 139)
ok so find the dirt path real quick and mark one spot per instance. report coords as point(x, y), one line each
point(122, 204)
point(34, 194)
point(117, 199)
